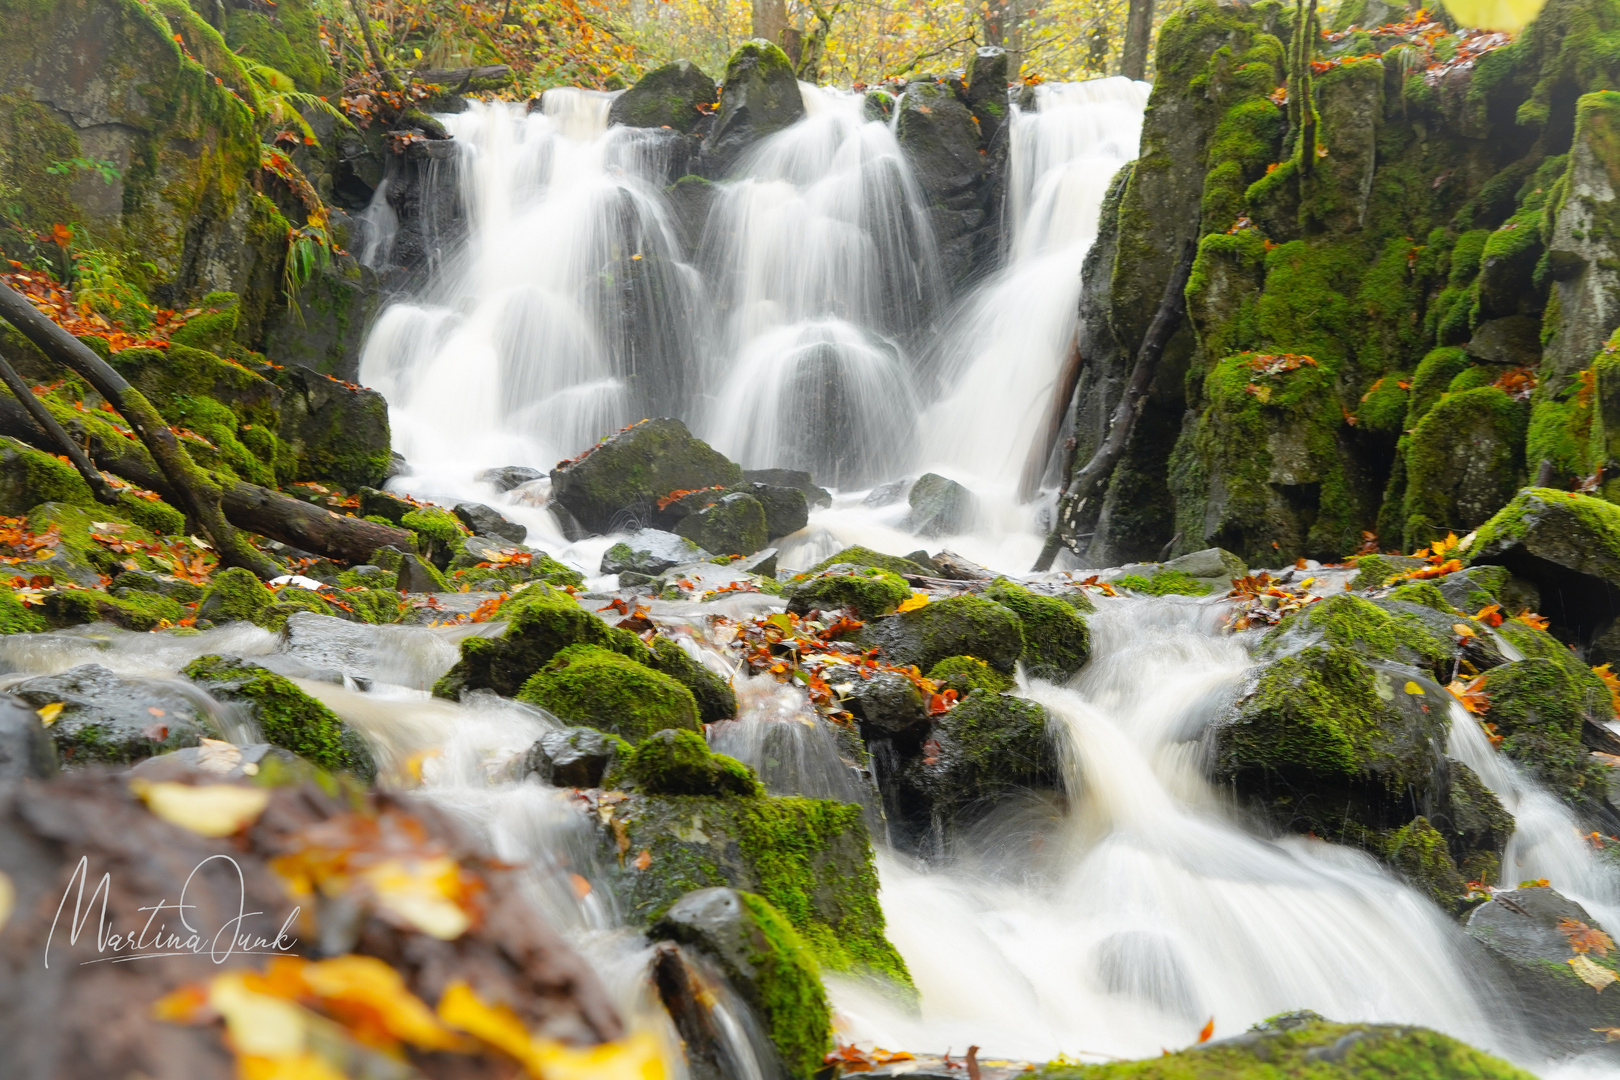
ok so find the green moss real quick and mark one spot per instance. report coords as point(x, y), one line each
point(15, 617)
point(794, 1006)
point(29, 477)
point(988, 746)
point(966, 674)
point(1164, 583)
point(1433, 377)
point(439, 533)
point(132, 611)
point(958, 626)
point(681, 763)
point(1419, 852)
point(1056, 640)
point(235, 595)
point(287, 40)
point(869, 594)
point(1538, 706)
point(876, 560)
point(587, 684)
point(1375, 571)
point(715, 699)
point(287, 717)
point(290, 599)
point(1575, 529)
point(1426, 593)
point(1463, 463)
point(1384, 406)
point(1350, 622)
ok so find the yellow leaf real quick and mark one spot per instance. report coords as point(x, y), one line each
point(8, 898)
point(1594, 975)
point(1610, 1034)
point(368, 981)
point(212, 810)
point(49, 713)
point(1413, 688)
point(1463, 631)
point(218, 756)
point(420, 893)
point(305, 1066)
point(497, 1025)
point(259, 1025)
point(1508, 15)
point(634, 1057)
point(918, 599)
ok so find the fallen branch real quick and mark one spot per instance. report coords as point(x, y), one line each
point(99, 487)
point(1102, 464)
point(195, 491)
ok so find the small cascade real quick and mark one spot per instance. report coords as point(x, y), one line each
point(825, 265)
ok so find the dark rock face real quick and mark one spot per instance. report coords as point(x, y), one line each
point(26, 748)
point(987, 91)
point(573, 757)
point(666, 97)
point(786, 508)
point(621, 479)
point(1520, 929)
point(940, 139)
point(760, 97)
point(736, 525)
point(939, 507)
point(415, 576)
point(338, 431)
point(484, 520)
point(889, 706)
point(509, 476)
point(116, 719)
point(650, 552)
point(791, 478)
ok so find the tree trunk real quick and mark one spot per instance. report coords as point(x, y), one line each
point(195, 491)
point(1138, 37)
point(1102, 464)
point(1040, 452)
point(384, 72)
point(770, 18)
point(41, 416)
point(269, 513)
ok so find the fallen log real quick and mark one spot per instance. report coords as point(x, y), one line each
point(257, 509)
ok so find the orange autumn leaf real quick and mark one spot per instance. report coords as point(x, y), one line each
point(643, 860)
point(1530, 618)
point(1208, 1031)
point(1471, 695)
point(1583, 938)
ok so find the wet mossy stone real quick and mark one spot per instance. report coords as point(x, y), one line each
point(791, 478)
point(235, 595)
point(26, 748)
point(760, 97)
point(144, 581)
point(958, 626)
point(481, 520)
point(16, 617)
point(1306, 1046)
point(939, 507)
point(965, 674)
point(134, 610)
point(787, 509)
point(287, 717)
point(590, 685)
point(1464, 461)
point(867, 592)
point(1480, 825)
point(1567, 545)
point(650, 552)
point(621, 479)
point(862, 556)
point(716, 700)
point(1539, 707)
point(540, 622)
point(1351, 622)
point(1374, 571)
point(439, 534)
point(810, 858)
point(418, 576)
point(765, 961)
point(1520, 929)
point(889, 705)
point(675, 96)
point(577, 757)
point(1425, 593)
point(334, 430)
point(112, 719)
point(1056, 640)
point(1419, 852)
point(381, 504)
point(1476, 587)
point(988, 746)
point(675, 762)
point(733, 525)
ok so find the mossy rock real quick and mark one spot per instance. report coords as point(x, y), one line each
point(111, 719)
point(1567, 545)
point(958, 626)
point(1539, 707)
point(681, 763)
point(1374, 571)
point(624, 476)
point(965, 674)
point(134, 610)
point(16, 617)
point(876, 560)
point(1426, 593)
point(715, 699)
point(1056, 640)
point(987, 747)
point(767, 962)
point(1163, 583)
point(810, 858)
point(1463, 463)
point(675, 96)
point(760, 97)
point(1351, 622)
point(439, 534)
point(735, 525)
point(235, 595)
point(540, 622)
point(287, 717)
point(587, 684)
point(333, 430)
point(868, 593)
point(1307, 1047)
point(1419, 851)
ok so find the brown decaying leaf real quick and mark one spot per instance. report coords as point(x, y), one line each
point(1583, 938)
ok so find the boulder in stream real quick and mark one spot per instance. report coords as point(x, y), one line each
point(335, 430)
point(939, 507)
point(677, 96)
point(111, 719)
point(622, 478)
point(734, 525)
point(484, 520)
point(26, 747)
point(791, 478)
point(867, 592)
point(650, 552)
point(957, 626)
point(760, 97)
point(508, 477)
point(572, 757)
point(591, 685)
point(1057, 642)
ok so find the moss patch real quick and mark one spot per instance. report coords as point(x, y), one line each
point(587, 684)
point(287, 717)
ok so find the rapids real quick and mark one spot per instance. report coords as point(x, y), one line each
point(811, 330)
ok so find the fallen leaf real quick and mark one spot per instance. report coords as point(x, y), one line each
point(156, 732)
point(1583, 938)
point(210, 810)
point(260, 1025)
point(420, 893)
point(1208, 1031)
point(8, 898)
point(218, 756)
point(1413, 688)
point(49, 713)
point(917, 600)
point(582, 886)
point(366, 985)
point(1611, 1034)
point(1591, 974)
point(644, 860)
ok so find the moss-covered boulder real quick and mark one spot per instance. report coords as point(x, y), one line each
point(958, 626)
point(1373, 630)
point(623, 477)
point(863, 556)
point(869, 593)
point(811, 859)
point(1527, 931)
point(765, 961)
point(334, 430)
point(1056, 640)
point(1305, 1045)
point(675, 762)
point(676, 96)
point(715, 698)
point(650, 552)
point(988, 747)
point(1421, 854)
point(732, 525)
point(17, 617)
point(286, 716)
point(132, 610)
point(965, 674)
point(235, 595)
point(1463, 462)
point(109, 719)
point(760, 97)
point(1539, 707)
point(590, 685)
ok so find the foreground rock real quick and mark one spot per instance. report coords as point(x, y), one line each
point(676, 96)
point(110, 719)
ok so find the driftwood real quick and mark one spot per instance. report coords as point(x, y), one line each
point(1102, 464)
point(260, 510)
point(192, 488)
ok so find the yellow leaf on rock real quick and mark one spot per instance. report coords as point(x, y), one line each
point(420, 893)
point(1413, 688)
point(917, 600)
point(1594, 975)
point(286, 1067)
point(209, 810)
point(49, 713)
point(218, 756)
point(370, 983)
point(634, 1057)
point(497, 1025)
point(260, 1025)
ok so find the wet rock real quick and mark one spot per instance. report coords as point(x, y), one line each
point(484, 520)
point(680, 763)
point(735, 525)
point(328, 648)
point(889, 493)
point(226, 761)
point(650, 552)
point(762, 563)
point(677, 96)
point(391, 508)
point(416, 576)
point(690, 199)
point(1521, 930)
point(958, 626)
point(114, 719)
point(1540, 707)
point(766, 962)
point(336, 431)
point(1215, 567)
point(1057, 642)
point(622, 478)
point(950, 565)
point(508, 477)
point(942, 142)
point(986, 748)
point(791, 478)
point(939, 507)
point(26, 748)
point(715, 699)
point(287, 717)
point(889, 706)
point(1514, 341)
point(862, 556)
point(760, 97)
point(787, 509)
point(987, 91)
point(593, 686)
point(865, 591)
point(161, 584)
point(572, 757)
